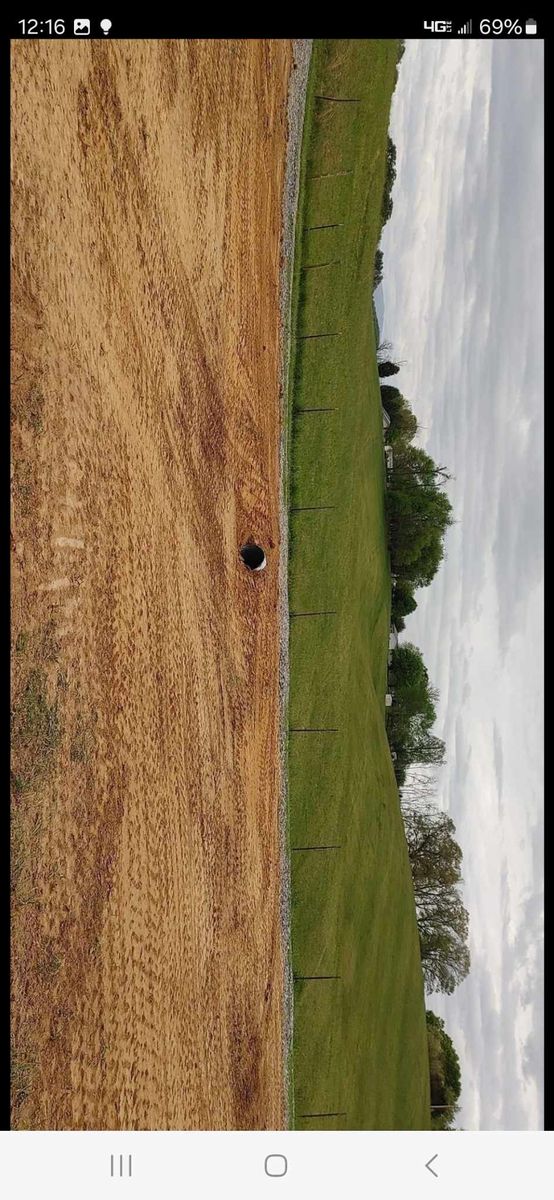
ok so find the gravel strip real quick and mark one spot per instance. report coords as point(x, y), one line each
point(302, 49)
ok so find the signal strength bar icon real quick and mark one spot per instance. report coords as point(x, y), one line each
point(465, 30)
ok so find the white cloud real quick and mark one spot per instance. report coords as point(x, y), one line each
point(463, 283)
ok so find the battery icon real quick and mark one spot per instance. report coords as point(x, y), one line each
point(530, 26)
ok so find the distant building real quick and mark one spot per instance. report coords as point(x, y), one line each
point(388, 458)
point(388, 700)
point(393, 637)
point(386, 418)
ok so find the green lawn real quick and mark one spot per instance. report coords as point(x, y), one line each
point(360, 1043)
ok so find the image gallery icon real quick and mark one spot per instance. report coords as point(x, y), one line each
point(81, 28)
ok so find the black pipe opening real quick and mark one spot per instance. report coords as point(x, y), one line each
point(253, 556)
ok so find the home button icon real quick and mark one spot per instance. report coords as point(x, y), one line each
point(276, 1165)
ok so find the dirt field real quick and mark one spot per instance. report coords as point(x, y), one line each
point(147, 965)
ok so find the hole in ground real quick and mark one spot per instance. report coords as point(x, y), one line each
point(253, 556)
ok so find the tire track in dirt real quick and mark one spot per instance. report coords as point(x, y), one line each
point(147, 189)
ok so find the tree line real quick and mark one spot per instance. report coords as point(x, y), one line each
point(418, 515)
point(418, 509)
point(435, 856)
point(435, 861)
point(445, 1074)
point(390, 170)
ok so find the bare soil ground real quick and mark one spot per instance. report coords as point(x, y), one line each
point(147, 972)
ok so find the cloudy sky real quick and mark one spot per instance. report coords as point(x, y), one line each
point(463, 294)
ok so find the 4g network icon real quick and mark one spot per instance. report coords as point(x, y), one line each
point(438, 26)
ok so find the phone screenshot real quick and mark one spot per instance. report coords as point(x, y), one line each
point(277, 614)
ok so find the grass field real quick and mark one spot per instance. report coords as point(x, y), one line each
point(360, 1045)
